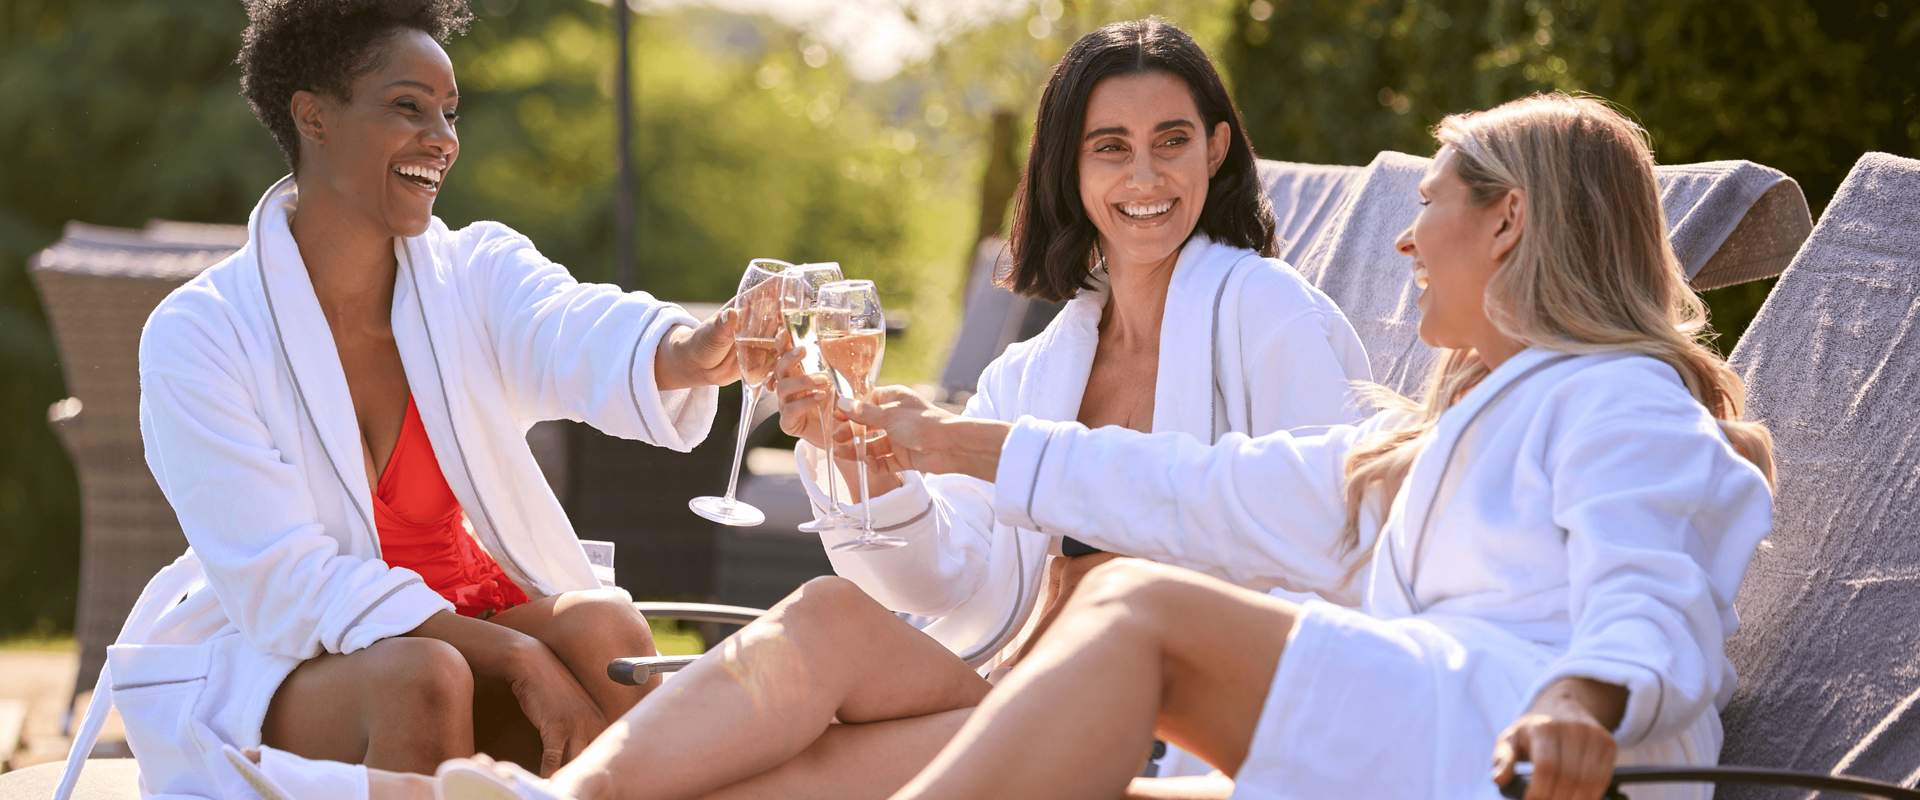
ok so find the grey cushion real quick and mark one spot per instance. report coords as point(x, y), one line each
point(1730, 221)
point(1829, 651)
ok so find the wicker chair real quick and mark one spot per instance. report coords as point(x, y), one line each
point(98, 286)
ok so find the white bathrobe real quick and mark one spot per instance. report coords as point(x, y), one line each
point(1246, 345)
point(1592, 522)
point(250, 431)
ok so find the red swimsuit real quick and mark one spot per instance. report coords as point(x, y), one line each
point(421, 528)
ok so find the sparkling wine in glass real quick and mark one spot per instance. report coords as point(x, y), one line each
point(798, 297)
point(851, 331)
point(756, 345)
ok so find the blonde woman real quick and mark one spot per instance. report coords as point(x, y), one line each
point(1548, 539)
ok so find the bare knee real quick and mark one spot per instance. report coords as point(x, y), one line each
point(1128, 589)
point(606, 618)
point(827, 604)
point(422, 682)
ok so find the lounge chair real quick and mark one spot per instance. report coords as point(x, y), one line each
point(1729, 221)
point(1828, 653)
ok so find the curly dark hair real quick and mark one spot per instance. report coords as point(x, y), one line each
point(321, 46)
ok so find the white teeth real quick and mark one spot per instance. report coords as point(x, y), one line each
point(1145, 209)
point(418, 171)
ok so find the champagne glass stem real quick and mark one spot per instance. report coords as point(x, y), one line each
point(749, 396)
point(826, 432)
point(866, 508)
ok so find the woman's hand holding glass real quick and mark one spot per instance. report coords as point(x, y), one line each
point(911, 433)
point(696, 356)
point(799, 304)
point(850, 331)
point(756, 329)
point(807, 413)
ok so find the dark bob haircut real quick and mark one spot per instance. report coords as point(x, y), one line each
point(321, 46)
point(1052, 237)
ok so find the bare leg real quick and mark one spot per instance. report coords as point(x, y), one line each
point(769, 693)
point(1140, 646)
point(854, 761)
point(401, 704)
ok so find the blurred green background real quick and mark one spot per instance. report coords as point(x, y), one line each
point(853, 130)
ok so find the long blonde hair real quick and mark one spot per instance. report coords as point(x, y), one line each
point(1593, 272)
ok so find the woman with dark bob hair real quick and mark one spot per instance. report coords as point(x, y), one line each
point(379, 573)
point(1141, 208)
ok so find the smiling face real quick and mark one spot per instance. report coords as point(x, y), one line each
point(1457, 245)
point(386, 151)
point(1146, 157)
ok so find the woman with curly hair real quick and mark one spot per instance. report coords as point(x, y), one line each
point(378, 572)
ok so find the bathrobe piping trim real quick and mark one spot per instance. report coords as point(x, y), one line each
point(150, 684)
point(341, 643)
point(1219, 392)
point(1033, 485)
point(1446, 466)
point(916, 518)
point(266, 289)
point(633, 364)
point(460, 451)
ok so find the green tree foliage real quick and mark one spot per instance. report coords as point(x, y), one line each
point(114, 116)
point(1804, 86)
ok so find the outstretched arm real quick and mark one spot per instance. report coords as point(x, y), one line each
point(1263, 512)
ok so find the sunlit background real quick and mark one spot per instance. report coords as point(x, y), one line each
point(883, 134)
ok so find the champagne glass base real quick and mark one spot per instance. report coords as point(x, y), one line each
point(727, 512)
point(840, 522)
point(875, 541)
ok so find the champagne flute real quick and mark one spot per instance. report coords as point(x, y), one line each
point(852, 335)
point(798, 296)
point(756, 345)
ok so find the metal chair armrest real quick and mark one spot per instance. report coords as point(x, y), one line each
point(1766, 776)
point(640, 669)
point(699, 612)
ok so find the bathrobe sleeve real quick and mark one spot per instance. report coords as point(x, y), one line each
point(1262, 512)
point(1661, 516)
point(947, 521)
point(248, 513)
point(579, 351)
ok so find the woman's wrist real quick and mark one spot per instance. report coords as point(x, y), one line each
point(491, 650)
point(974, 444)
point(1604, 703)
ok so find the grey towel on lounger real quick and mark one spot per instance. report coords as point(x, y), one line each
point(1828, 649)
point(1730, 221)
point(1305, 198)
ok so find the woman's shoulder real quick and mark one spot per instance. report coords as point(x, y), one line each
point(478, 240)
point(1002, 376)
point(1274, 290)
point(1619, 386)
point(203, 317)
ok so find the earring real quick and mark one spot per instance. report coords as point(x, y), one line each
point(1099, 259)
